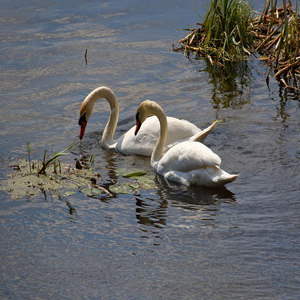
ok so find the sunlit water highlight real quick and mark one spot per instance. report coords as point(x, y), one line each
point(171, 242)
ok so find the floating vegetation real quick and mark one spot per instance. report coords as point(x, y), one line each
point(134, 173)
point(32, 177)
point(232, 31)
point(25, 179)
point(139, 179)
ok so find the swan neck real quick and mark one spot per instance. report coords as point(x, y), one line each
point(109, 130)
point(157, 153)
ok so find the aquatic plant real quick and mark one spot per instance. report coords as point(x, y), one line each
point(53, 158)
point(224, 35)
point(277, 41)
point(64, 179)
point(232, 31)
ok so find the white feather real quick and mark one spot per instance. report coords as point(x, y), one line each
point(187, 162)
point(142, 144)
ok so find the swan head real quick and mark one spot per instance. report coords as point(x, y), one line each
point(141, 114)
point(84, 115)
point(83, 118)
point(88, 105)
point(146, 109)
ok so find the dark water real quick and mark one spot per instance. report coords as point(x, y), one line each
point(171, 242)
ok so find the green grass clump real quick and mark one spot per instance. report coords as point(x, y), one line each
point(227, 29)
point(225, 34)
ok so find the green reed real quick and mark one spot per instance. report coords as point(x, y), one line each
point(227, 29)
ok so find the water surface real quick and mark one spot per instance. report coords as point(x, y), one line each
point(171, 242)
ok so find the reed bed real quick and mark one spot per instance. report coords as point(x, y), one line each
point(277, 36)
point(232, 31)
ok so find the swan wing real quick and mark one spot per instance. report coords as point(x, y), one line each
point(179, 129)
point(144, 142)
point(141, 144)
point(192, 163)
point(201, 136)
point(187, 156)
point(198, 137)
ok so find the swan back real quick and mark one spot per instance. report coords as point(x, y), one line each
point(192, 163)
point(188, 156)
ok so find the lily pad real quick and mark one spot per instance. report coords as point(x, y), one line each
point(124, 187)
point(144, 182)
point(69, 193)
point(132, 173)
point(147, 182)
point(91, 191)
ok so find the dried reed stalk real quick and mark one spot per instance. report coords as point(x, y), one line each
point(276, 38)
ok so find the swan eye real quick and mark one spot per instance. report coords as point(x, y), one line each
point(82, 119)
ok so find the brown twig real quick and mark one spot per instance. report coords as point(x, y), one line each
point(103, 189)
point(286, 69)
point(85, 56)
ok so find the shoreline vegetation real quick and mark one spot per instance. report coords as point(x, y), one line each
point(232, 31)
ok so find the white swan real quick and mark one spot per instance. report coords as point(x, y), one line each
point(187, 162)
point(128, 143)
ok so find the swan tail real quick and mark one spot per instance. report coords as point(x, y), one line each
point(228, 179)
point(221, 177)
point(211, 177)
point(201, 136)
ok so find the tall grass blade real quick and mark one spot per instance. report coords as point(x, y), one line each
point(56, 155)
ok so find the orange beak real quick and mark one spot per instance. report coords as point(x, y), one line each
point(138, 124)
point(82, 129)
point(82, 123)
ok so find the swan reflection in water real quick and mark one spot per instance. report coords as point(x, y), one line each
point(153, 211)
